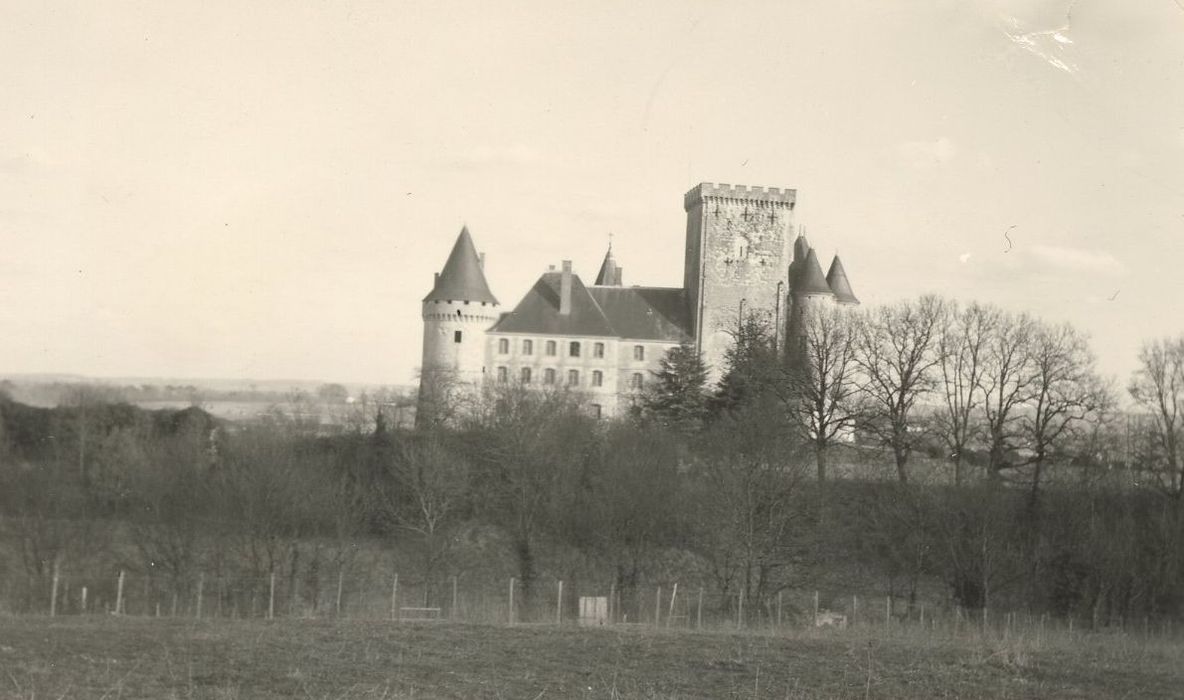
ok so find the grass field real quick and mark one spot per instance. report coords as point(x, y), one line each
point(108, 657)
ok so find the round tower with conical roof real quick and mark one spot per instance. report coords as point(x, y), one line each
point(456, 314)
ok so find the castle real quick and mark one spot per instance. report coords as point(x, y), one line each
point(606, 339)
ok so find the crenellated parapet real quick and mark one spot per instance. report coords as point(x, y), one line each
point(456, 312)
point(706, 191)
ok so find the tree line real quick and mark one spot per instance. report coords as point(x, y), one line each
point(1037, 492)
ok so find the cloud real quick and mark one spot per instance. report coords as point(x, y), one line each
point(1077, 259)
point(924, 154)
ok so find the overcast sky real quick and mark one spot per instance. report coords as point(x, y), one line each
point(264, 189)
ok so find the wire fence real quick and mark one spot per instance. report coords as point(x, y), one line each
point(375, 595)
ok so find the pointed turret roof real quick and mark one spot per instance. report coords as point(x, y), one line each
point(809, 279)
point(462, 278)
point(836, 279)
point(801, 248)
point(610, 274)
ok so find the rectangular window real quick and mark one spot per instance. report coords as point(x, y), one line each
point(550, 348)
point(526, 375)
point(598, 350)
point(595, 409)
point(548, 376)
point(456, 336)
point(637, 380)
point(503, 374)
point(503, 346)
point(573, 349)
point(597, 378)
point(639, 352)
point(528, 347)
point(573, 377)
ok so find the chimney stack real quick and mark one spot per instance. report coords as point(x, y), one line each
point(565, 289)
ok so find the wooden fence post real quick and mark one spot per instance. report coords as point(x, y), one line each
point(854, 609)
point(511, 600)
point(779, 608)
point(888, 611)
point(340, 587)
point(84, 599)
point(815, 608)
point(699, 613)
point(395, 598)
point(201, 584)
point(271, 597)
point(673, 596)
point(658, 608)
point(453, 611)
point(559, 605)
point(612, 602)
point(119, 594)
point(740, 611)
point(53, 594)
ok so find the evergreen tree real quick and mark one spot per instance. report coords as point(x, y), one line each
point(678, 399)
point(752, 371)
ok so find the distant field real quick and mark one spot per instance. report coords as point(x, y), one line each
point(160, 658)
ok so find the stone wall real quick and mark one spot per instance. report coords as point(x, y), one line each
point(737, 259)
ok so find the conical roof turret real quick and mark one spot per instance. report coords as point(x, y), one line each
point(801, 248)
point(837, 280)
point(610, 274)
point(462, 278)
point(809, 279)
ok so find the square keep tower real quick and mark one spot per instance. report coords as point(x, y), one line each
point(737, 260)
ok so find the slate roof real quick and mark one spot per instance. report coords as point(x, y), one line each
point(809, 279)
point(645, 313)
point(538, 312)
point(801, 250)
point(640, 313)
point(462, 278)
point(609, 273)
point(837, 280)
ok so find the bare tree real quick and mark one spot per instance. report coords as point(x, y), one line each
point(895, 353)
point(1008, 379)
point(821, 387)
point(1158, 388)
point(750, 496)
point(528, 442)
point(425, 496)
point(961, 350)
point(1065, 389)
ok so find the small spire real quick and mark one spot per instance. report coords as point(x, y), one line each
point(610, 273)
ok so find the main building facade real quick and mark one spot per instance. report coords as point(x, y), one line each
point(606, 339)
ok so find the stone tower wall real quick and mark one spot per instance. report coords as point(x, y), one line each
point(802, 306)
point(737, 258)
point(443, 356)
